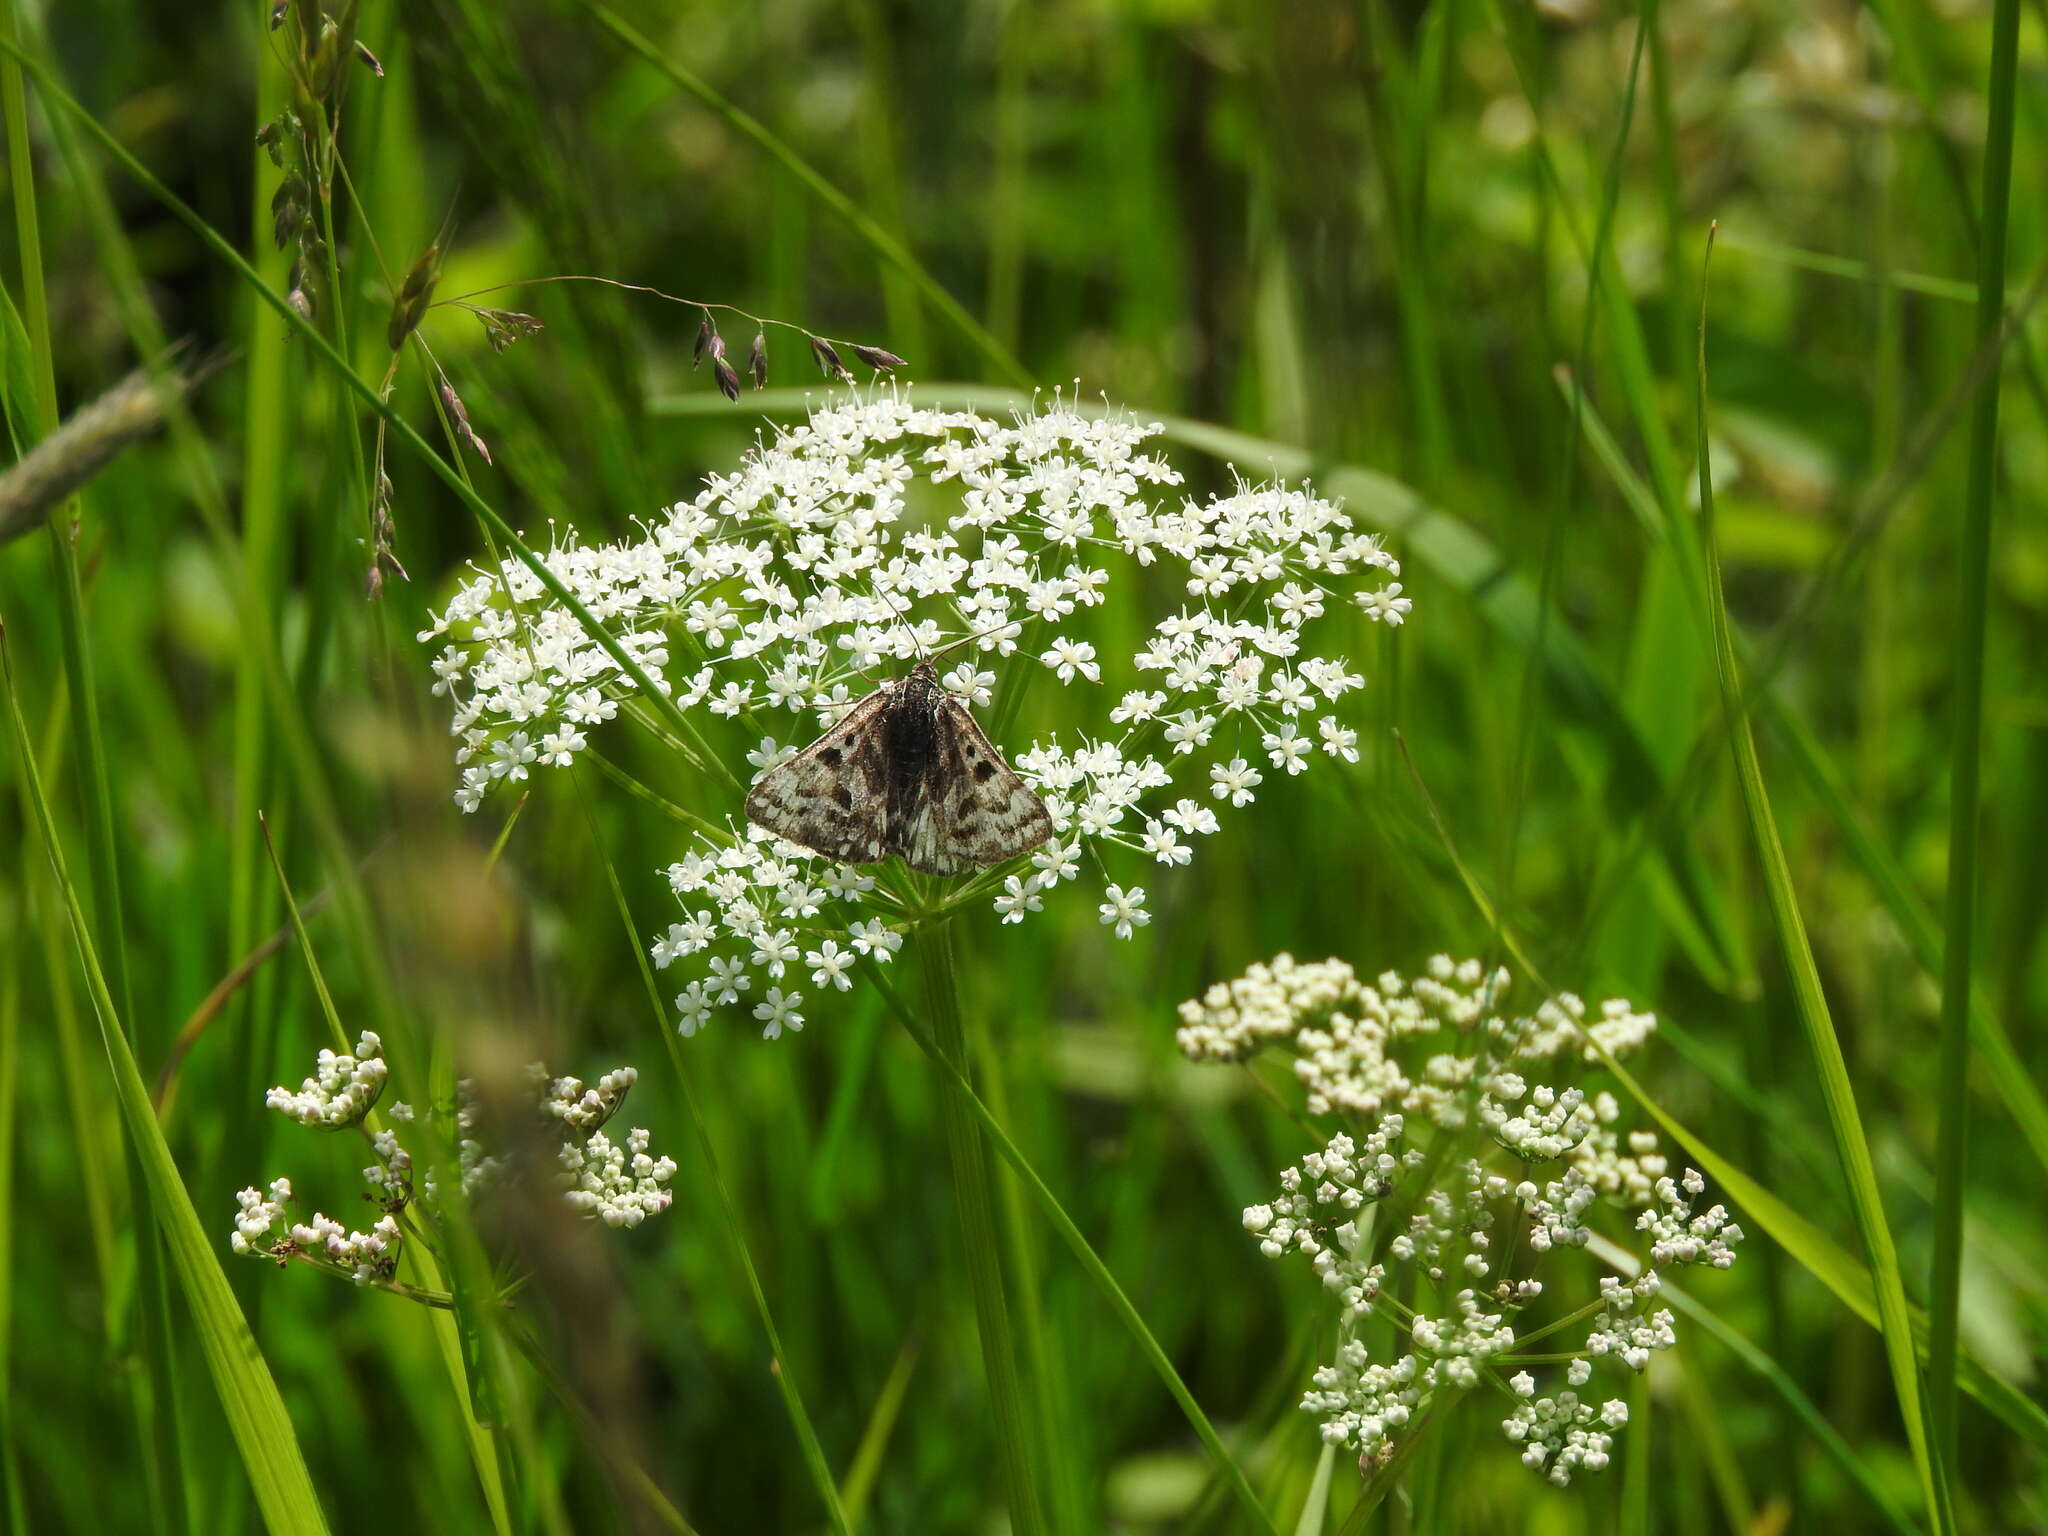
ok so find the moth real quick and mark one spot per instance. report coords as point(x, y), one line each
point(908, 772)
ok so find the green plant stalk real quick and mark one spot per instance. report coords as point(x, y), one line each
point(975, 1199)
point(1851, 1145)
point(1091, 1262)
point(785, 1379)
point(10, 1074)
point(255, 1412)
point(884, 244)
point(1965, 750)
point(1636, 1461)
point(1043, 1385)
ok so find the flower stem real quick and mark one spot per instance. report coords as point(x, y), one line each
point(975, 1198)
point(1965, 748)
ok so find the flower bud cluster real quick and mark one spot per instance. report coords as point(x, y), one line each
point(1679, 1237)
point(619, 1186)
point(565, 1099)
point(618, 1183)
point(1562, 1435)
point(341, 1090)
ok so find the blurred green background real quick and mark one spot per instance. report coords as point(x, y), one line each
point(1348, 239)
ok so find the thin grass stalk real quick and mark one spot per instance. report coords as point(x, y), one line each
point(1966, 740)
point(975, 1199)
point(1037, 1361)
point(1839, 1095)
point(785, 1379)
point(1776, 1377)
point(1091, 1262)
point(10, 1081)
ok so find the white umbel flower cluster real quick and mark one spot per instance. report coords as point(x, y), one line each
point(1494, 1175)
point(880, 532)
point(341, 1090)
point(1679, 1237)
point(618, 1184)
point(1561, 1435)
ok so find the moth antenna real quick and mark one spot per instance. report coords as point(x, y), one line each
point(978, 635)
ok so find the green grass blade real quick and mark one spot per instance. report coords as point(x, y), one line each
point(1315, 1508)
point(866, 1466)
point(1773, 1375)
point(1091, 1262)
point(255, 1412)
point(975, 1201)
point(1851, 1142)
point(1966, 740)
point(815, 1464)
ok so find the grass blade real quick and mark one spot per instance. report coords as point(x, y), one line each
point(255, 1412)
point(1091, 1262)
point(975, 1200)
point(1966, 740)
point(1851, 1143)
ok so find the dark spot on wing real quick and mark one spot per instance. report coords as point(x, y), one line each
point(842, 794)
point(830, 756)
point(984, 770)
point(966, 825)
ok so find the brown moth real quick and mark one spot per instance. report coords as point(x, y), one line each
point(905, 771)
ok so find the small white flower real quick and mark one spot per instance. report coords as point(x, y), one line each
point(1124, 909)
point(1019, 896)
point(829, 966)
point(1338, 741)
point(1384, 603)
point(1234, 781)
point(1068, 657)
point(875, 938)
point(778, 1012)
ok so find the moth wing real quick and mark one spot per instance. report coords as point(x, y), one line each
point(832, 797)
point(971, 810)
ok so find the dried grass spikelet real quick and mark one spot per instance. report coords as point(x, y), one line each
point(92, 437)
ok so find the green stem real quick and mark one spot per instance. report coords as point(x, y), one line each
point(974, 1195)
point(1090, 1261)
point(785, 1379)
point(1965, 748)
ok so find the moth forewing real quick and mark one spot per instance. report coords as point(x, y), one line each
point(829, 797)
point(908, 772)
